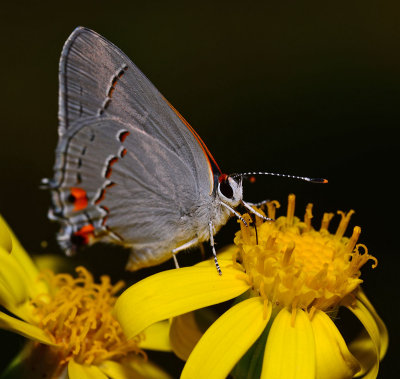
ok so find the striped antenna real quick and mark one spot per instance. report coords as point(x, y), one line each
point(305, 178)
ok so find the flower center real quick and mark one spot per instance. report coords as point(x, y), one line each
point(291, 264)
point(76, 313)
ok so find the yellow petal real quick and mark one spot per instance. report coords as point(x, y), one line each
point(5, 236)
point(384, 335)
point(23, 328)
point(156, 337)
point(145, 368)
point(23, 311)
point(117, 370)
point(174, 292)
point(21, 259)
point(363, 349)
point(20, 254)
point(290, 349)
point(7, 299)
point(184, 335)
point(224, 255)
point(223, 262)
point(370, 325)
point(78, 371)
point(13, 284)
point(227, 252)
point(227, 340)
point(15, 288)
point(333, 357)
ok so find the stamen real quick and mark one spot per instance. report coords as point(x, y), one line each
point(308, 216)
point(343, 223)
point(358, 260)
point(326, 219)
point(262, 290)
point(290, 209)
point(318, 279)
point(245, 229)
point(270, 241)
point(311, 312)
point(288, 253)
point(252, 209)
point(353, 239)
point(77, 316)
point(259, 220)
point(272, 206)
point(237, 214)
point(298, 267)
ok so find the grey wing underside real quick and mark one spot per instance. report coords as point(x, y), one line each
point(145, 198)
point(136, 202)
point(98, 79)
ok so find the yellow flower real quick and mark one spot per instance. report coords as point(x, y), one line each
point(288, 279)
point(70, 322)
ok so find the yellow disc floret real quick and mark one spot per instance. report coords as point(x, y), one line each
point(76, 313)
point(291, 264)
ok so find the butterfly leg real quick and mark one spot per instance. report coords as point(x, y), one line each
point(237, 214)
point(211, 228)
point(259, 203)
point(175, 260)
point(249, 207)
point(185, 246)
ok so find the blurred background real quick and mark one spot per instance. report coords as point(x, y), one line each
point(311, 88)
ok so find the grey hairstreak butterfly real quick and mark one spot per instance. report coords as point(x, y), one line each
point(129, 169)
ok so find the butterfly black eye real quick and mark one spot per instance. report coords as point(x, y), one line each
point(226, 189)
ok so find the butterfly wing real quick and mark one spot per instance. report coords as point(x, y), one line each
point(98, 79)
point(128, 167)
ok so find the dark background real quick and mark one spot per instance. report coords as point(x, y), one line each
point(306, 89)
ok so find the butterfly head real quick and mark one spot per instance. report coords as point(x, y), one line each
point(230, 190)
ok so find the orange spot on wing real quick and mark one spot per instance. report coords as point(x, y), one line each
point(85, 234)
point(109, 168)
point(110, 92)
point(123, 136)
point(101, 197)
point(89, 228)
point(103, 194)
point(79, 197)
point(111, 184)
point(106, 216)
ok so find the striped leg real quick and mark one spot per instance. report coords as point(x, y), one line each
point(213, 247)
